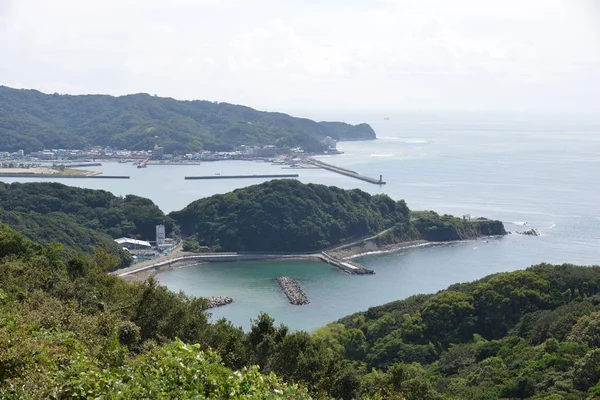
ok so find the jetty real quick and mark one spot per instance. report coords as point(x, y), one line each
point(346, 172)
point(218, 301)
point(348, 266)
point(79, 165)
point(143, 163)
point(243, 176)
point(293, 291)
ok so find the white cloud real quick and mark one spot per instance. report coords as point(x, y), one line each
point(535, 54)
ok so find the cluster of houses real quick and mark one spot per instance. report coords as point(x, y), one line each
point(157, 153)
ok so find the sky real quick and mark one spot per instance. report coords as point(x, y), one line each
point(286, 55)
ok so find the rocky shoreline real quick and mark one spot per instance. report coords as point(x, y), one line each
point(370, 247)
point(292, 290)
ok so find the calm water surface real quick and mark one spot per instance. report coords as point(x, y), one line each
point(538, 169)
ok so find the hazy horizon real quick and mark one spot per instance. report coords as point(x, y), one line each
point(308, 57)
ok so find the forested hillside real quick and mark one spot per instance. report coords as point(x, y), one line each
point(31, 120)
point(286, 215)
point(78, 218)
point(69, 330)
point(524, 334)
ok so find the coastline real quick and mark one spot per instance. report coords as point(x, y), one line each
point(344, 253)
point(142, 275)
point(370, 248)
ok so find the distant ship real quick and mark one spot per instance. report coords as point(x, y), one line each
point(387, 118)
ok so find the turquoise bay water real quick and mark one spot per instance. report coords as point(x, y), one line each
point(538, 169)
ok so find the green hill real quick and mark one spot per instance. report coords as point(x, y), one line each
point(287, 215)
point(80, 219)
point(31, 120)
point(518, 335)
point(68, 330)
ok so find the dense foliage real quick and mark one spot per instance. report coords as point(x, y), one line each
point(430, 226)
point(31, 120)
point(78, 218)
point(524, 334)
point(286, 215)
point(69, 330)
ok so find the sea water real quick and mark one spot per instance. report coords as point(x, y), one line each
point(542, 170)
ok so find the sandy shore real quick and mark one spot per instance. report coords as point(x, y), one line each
point(48, 171)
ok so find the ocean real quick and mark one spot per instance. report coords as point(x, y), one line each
point(542, 170)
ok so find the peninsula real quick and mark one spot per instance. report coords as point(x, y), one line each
point(287, 216)
point(33, 121)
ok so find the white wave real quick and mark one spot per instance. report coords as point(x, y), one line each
point(522, 223)
point(551, 226)
point(382, 155)
point(405, 140)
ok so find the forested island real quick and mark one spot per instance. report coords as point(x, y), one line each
point(32, 121)
point(70, 330)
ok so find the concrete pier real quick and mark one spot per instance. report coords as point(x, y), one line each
point(346, 172)
point(79, 165)
point(292, 290)
point(243, 176)
point(348, 266)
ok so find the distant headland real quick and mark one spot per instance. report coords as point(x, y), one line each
point(34, 121)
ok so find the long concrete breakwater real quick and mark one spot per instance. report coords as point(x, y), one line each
point(243, 176)
point(346, 172)
point(79, 165)
point(293, 291)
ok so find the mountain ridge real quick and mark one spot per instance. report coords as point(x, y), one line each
point(32, 120)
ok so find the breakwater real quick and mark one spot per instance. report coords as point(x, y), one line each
point(292, 290)
point(218, 301)
point(348, 266)
point(346, 172)
point(242, 176)
point(79, 165)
